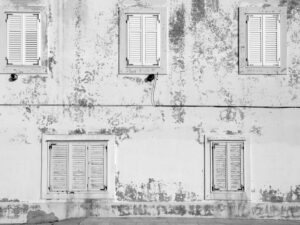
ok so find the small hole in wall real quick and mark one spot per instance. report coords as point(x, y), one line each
point(13, 77)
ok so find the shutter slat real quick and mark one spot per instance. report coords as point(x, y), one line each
point(254, 28)
point(14, 39)
point(58, 167)
point(134, 46)
point(78, 166)
point(96, 166)
point(235, 165)
point(219, 166)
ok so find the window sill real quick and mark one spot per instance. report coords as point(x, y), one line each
point(105, 195)
point(142, 70)
point(228, 195)
point(24, 69)
point(263, 70)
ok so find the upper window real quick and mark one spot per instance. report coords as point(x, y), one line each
point(78, 166)
point(23, 42)
point(23, 38)
point(142, 41)
point(262, 41)
point(227, 169)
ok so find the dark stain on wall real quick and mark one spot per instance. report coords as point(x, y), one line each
point(51, 61)
point(39, 216)
point(9, 200)
point(151, 191)
point(275, 195)
point(177, 28)
point(291, 5)
point(213, 5)
point(77, 131)
point(198, 10)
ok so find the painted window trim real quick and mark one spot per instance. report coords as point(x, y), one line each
point(108, 194)
point(24, 69)
point(227, 195)
point(125, 69)
point(256, 70)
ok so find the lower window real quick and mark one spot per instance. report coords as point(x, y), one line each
point(78, 166)
point(227, 173)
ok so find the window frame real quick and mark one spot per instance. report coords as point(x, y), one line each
point(107, 194)
point(209, 194)
point(43, 45)
point(124, 68)
point(244, 69)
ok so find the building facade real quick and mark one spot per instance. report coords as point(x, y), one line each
point(149, 108)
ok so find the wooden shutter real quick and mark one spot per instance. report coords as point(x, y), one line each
point(235, 165)
point(58, 166)
point(134, 34)
point(219, 165)
point(31, 39)
point(151, 43)
point(271, 30)
point(78, 166)
point(96, 166)
point(14, 39)
point(255, 42)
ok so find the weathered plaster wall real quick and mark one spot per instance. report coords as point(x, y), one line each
point(160, 151)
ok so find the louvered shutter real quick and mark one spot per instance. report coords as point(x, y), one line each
point(271, 30)
point(31, 39)
point(96, 166)
point(58, 166)
point(14, 39)
point(134, 45)
point(219, 165)
point(151, 34)
point(235, 166)
point(255, 43)
point(78, 166)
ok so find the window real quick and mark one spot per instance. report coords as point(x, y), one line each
point(262, 40)
point(78, 166)
point(23, 38)
point(227, 169)
point(23, 46)
point(142, 41)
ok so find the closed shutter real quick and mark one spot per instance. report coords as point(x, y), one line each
point(14, 39)
point(31, 33)
point(271, 40)
point(134, 45)
point(23, 37)
point(96, 166)
point(58, 166)
point(219, 165)
point(235, 166)
point(78, 166)
point(255, 42)
point(151, 24)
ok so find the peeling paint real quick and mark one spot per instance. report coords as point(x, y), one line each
point(292, 6)
point(198, 10)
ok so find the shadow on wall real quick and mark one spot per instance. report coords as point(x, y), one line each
point(272, 195)
point(153, 191)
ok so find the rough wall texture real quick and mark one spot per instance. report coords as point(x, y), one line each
point(160, 151)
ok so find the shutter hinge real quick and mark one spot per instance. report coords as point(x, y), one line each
point(8, 14)
point(49, 188)
point(50, 146)
point(214, 189)
point(242, 188)
point(104, 188)
point(157, 62)
point(127, 18)
point(37, 16)
point(38, 62)
point(157, 18)
point(7, 63)
point(128, 64)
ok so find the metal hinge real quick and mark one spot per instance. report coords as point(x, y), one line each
point(7, 63)
point(127, 18)
point(127, 60)
point(214, 189)
point(104, 188)
point(8, 14)
point(242, 188)
point(50, 146)
point(38, 61)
